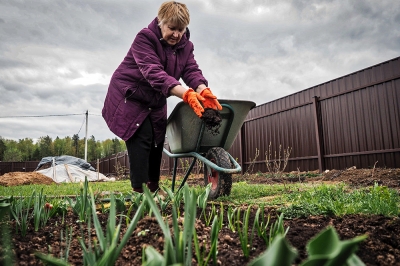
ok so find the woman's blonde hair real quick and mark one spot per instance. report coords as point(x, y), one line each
point(175, 13)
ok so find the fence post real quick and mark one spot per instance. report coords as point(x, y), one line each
point(54, 170)
point(109, 164)
point(98, 168)
point(318, 133)
point(126, 162)
point(242, 147)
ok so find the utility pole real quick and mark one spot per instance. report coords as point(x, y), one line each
point(87, 114)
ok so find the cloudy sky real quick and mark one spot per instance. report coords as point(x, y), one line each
point(57, 56)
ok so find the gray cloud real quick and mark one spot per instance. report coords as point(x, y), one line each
point(56, 57)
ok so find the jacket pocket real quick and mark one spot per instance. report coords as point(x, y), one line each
point(146, 96)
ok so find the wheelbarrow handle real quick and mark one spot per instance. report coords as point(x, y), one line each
point(237, 168)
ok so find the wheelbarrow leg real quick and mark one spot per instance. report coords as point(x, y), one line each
point(174, 173)
point(187, 173)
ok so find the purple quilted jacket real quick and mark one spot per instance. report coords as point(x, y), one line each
point(140, 85)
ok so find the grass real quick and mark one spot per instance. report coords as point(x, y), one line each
point(66, 189)
point(339, 200)
point(294, 200)
point(244, 193)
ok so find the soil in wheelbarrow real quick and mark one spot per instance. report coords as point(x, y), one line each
point(382, 247)
point(212, 119)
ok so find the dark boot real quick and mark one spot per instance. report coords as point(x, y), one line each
point(138, 189)
point(153, 186)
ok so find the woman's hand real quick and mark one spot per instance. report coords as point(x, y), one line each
point(210, 100)
point(192, 98)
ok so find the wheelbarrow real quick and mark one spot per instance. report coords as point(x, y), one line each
point(188, 137)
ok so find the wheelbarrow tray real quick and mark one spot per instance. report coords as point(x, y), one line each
point(188, 136)
point(184, 127)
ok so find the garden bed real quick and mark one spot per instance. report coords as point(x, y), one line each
point(382, 247)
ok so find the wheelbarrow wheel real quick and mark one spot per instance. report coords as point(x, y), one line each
point(221, 183)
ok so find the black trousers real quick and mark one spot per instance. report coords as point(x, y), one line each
point(144, 155)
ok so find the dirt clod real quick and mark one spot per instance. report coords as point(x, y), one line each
point(212, 119)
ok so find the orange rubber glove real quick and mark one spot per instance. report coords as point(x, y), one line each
point(210, 100)
point(192, 98)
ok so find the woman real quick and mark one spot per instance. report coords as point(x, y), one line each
point(135, 107)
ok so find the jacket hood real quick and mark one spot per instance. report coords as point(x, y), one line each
point(153, 26)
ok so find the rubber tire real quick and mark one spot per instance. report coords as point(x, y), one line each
point(222, 182)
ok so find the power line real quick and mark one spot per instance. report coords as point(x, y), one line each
point(84, 119)
point(23, 116)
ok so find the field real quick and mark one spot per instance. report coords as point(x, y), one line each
point(382, 247)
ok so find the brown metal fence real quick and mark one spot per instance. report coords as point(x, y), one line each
point(114, 164)
point(29, 166)
point(353, 120)
point(350, 121)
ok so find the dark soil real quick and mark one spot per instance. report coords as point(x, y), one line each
point(382, 247)
point(24, 178)
point(212, 119)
